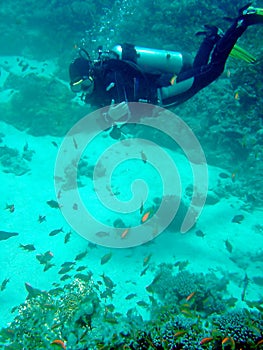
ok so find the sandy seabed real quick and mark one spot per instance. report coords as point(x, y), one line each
point(30, 192)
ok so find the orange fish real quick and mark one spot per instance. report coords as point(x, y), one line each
point(229, 340)
point(59, 342)
point(206, 340)
point(180, 333)
point(173, 80)
point(233, 177)
point(236, 96)
point(259, 342)
point(124, 233)
point(146, 216)
point(146, 259)
point(190, 296)
point(187, 313)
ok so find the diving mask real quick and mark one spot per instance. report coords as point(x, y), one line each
point(84, 84)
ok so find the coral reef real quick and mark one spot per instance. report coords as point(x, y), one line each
point(240, 325)
point(79, 314)
point(12, 161)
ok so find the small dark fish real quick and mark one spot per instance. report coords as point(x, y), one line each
point(10, 207)
point(108, 282)
point(32, 292)
point(14, 309)
point(142, 303)
point(54, 144)
point(65, 277)
point(56, 291)
point(92, 245)
point(238, 218)
point(55, 232)
point(111, 320)
point(130, 313)
point(143, 156)
point(48, 266)
point(24, 67)
point(102, 234)
point(5, 235)
point(75, 206)
point(224, 175)
point(147, 259)
point(44, 258)
point(81, 268)
point(199, 233)
point(81, 255)
point(108, 293)
point(53, 204)
point(130, 296)
point(41, 258)
point(144, 270)
point(83, 277)
point(75, 143)
point(41, 218)
point(229, 246)
point(105, 258)
point(68, 263)
point(245, 285)
point(48, 255)
point(110, 308)
point(64, 270)
point(26, 147)
point(28, 247)
point(152, 300)
point(4, 283)
point(231, 302)
point(141, 207)
point(67, 237)
point(150, 287)
point(181, 264)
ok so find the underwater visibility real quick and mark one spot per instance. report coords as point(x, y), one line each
point(131, 147)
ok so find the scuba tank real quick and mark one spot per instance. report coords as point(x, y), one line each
point(152, 60)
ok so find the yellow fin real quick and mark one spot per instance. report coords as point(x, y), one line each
point(238, 52)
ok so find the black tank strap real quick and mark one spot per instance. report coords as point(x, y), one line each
point(129, 53)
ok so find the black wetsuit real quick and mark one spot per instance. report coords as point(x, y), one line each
point(204, 72)
point(120, 80)
point(123, 80)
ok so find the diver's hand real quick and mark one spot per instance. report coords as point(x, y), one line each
point(118, 111)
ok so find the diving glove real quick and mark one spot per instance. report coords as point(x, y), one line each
point(211, 32)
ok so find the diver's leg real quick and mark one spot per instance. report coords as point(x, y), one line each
point(247, 16)
point(207, 45)
point(204, 74)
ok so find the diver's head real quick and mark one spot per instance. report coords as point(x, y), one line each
point(81, 79)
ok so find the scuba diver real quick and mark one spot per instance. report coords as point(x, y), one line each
point(129, 73)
